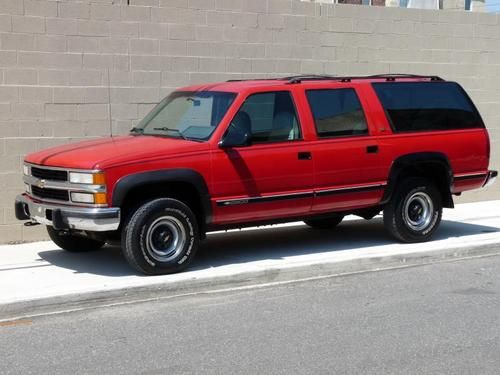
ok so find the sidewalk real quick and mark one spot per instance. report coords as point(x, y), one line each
point(39, 276)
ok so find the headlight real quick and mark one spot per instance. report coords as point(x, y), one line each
point(86, 178)
point(26, 170)
point(90, 198)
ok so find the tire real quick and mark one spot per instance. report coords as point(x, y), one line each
point(72, 243)
point(162, 237)
point(414, 213)
point(327, 223)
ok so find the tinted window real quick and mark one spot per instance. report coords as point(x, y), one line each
point(271, 117)
point(419, 106)
point(337, 113)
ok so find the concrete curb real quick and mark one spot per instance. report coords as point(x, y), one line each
point(262, 277)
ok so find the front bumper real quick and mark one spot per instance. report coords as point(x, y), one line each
point(490, 180)
point(65, 217)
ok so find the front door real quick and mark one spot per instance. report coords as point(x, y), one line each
point(272, 177)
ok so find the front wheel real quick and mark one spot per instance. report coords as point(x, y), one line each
point(414, 213)
point(161, 237)
point(72, 243)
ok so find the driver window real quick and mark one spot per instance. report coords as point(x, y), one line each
point(270, 116)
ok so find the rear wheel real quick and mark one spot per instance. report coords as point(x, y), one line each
point(326, 223)
point(72, 243)
point(161, 237)
point(414, 213)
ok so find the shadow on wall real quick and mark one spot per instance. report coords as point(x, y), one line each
point(253, 245)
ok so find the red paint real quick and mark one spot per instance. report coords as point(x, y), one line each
point(273, 169)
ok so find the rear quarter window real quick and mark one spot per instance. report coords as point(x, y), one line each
point(427, 106)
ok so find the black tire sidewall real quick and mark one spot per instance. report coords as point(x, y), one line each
point(410, 187)
point(135, 244)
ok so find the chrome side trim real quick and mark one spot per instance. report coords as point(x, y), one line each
point(306, 194)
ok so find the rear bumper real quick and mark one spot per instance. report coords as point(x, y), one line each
point(490, 180)
point(64, 217)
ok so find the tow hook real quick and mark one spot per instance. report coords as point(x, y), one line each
point(31, 223)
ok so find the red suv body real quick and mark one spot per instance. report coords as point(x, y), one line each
point(241, 153)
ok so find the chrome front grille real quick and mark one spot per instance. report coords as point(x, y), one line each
point(48, 193)
point(49, 174)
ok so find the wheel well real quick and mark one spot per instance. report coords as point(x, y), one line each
point(436, 171)
point(182, 191)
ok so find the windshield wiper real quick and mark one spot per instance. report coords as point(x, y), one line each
point(137, 130)
point(166, 129)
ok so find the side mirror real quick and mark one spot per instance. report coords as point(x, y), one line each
point(235, 137)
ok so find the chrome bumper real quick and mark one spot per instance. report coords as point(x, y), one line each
point(490, 180)
point(66, 217)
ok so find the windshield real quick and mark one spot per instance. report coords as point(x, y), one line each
point(187, 115)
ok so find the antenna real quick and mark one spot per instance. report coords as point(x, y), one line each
point(109, 107)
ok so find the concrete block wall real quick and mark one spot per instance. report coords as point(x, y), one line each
point(57, 57)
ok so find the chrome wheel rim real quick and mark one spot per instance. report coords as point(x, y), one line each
point(418, 211)
point(165, 238)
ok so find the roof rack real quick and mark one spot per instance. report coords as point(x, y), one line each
point(316, 77)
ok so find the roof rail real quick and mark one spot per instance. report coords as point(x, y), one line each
point(307, 77)
point(317, 77)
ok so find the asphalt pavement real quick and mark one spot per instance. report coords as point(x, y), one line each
point(441, 318)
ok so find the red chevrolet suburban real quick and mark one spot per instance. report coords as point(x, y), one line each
point(244, 153)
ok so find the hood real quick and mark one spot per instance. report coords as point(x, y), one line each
point(107, 152)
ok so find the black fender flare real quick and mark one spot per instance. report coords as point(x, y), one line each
point(414, 160)
point(125, 184)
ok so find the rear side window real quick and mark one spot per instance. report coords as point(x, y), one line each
point(337, 113)
point(421, 106)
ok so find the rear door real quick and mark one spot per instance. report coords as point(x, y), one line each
point(348, 162)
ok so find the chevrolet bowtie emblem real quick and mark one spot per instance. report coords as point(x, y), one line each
point(41, 184)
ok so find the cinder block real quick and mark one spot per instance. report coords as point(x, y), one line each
point(11, 233)
point(153, 30)
point(12, 7)
point(19, 42)
point(68, 94)
point(202, 4)
point(95, 95)
point(146, 63)
point(92, 112)
point(93, 28)
point(263, 65)
point(25, 24)
point(59, 26)
point(16, 76)
point(174, 3)
point(70, 9)
point(105, 12)
point(144, 47)
point(124, 111)
point(271, 21)
point(253, 50)
point(8, 129)
point(50, 43)
point(280, 6)
point(5, 22)
point(5, 112)
point(182, 32)
point(54, 77)
point(174, 79)
point(212, 64)
point(60, 111)
point(220, 18)
point(232, 5)
point(136, 13)
point(34, 94)
point(40, 8)
point(255, 6)
point(82, 43)
point(285, 66)
point(146, 79)
point(21, 146)
point(173, 47)
point(9, 94)
point(27, 111)
point(124, 29)
point(212, 33)
point(184, 64)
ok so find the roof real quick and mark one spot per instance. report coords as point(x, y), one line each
point(241, 84)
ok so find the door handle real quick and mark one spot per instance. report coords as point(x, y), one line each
point(304, 155)
point(373, 149)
